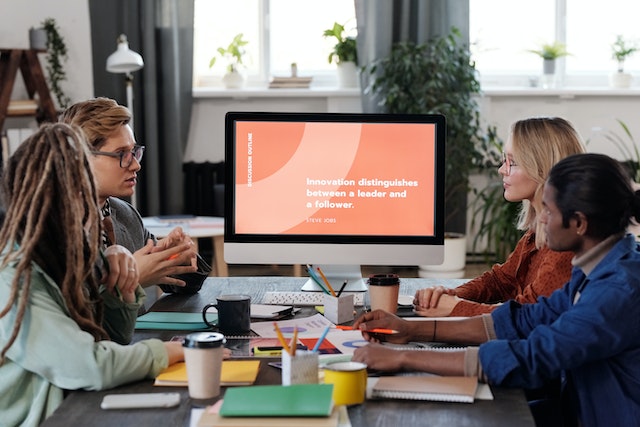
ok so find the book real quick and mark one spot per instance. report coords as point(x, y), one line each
point(211, 418)
point(290, 82)
point(297, 400)
point(423, 387)
point(234, 373)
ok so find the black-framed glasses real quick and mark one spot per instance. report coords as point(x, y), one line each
point(508, 163)
point(126, 157)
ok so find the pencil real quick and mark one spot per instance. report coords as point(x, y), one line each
point(322, 337)
point(326, 282)
point(283, 342)
point(294, 341)
point(342, 288)
point(315, 278)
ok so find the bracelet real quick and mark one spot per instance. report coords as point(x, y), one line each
point(435, 324)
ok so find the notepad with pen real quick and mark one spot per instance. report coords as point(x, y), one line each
point(426, 387)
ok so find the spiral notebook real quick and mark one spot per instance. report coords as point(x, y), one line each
point(437, 388)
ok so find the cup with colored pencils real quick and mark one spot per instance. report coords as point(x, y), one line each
point(298, 366)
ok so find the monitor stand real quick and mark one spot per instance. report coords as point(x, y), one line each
point(336, 275)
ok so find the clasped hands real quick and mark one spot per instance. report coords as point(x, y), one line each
point(171, 256)
point(436, 301)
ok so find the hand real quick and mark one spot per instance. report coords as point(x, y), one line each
point(385, 320)
point(443, 309)
point(430, 297)
point(174, 238)
point(123, 272)
point(379, 358)
point(158, 264)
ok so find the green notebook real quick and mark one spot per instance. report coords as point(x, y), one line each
point(178, 321)
point(299, 400)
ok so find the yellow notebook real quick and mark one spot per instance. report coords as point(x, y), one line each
point(234, 372)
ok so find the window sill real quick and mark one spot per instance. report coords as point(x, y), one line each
point(564, 92)
point(263, 92)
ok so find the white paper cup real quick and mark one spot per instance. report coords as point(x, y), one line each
point(203, 352)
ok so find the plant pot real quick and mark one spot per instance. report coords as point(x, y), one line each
point(38, 39)
point(347, 74)
point(455, 256)
point(620, 80)
point(233, 80)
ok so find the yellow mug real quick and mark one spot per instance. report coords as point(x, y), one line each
point(349, 381)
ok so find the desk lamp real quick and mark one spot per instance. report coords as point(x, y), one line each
point(126, 61)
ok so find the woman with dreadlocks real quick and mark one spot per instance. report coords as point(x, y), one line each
point(54, 312)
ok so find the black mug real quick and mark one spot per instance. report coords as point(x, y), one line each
point(234, 314)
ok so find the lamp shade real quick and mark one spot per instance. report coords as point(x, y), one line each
point(124, 60)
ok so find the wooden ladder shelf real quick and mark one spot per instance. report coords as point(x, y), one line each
point(27, 61)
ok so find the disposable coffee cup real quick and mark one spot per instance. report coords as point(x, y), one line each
point(383, 292)
point(349, 381)
point(234, 314)
point(203, 352)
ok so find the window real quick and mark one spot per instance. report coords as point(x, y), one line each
point(279, 33)
point(588, 28)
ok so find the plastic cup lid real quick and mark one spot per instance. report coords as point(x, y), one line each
point(204, 340)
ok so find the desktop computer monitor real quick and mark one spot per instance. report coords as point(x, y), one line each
point(334, 190)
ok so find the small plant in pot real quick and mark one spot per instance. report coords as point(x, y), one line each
point(235, 54)
point(622, 49)
point(344, 54)
point(549, 52)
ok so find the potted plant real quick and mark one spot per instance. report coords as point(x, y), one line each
point(621, 49)
point(345, 55)
point(549, 52)
point(234, 54)
point(438, 77)
point(56, 48)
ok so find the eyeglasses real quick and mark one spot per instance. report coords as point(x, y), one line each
point(126, 157)
point(508, 163)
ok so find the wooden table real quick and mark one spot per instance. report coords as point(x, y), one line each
point(196, 227)
point(508, 408)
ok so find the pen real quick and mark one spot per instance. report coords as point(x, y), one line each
point(294, 341)
point(281, 338)
point(324, 278)
point(322, 337)
point(371, 331)
point(315, 278)
point(342, 288)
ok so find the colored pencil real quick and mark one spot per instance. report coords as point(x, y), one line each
point(322, 337)
point(316, 279)
point(326, 282)
point(283, 342)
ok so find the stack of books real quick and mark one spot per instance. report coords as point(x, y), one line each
point(290, 82)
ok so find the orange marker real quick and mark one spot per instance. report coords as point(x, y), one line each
point(382, 331)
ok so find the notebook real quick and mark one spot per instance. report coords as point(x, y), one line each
point(298, 400)
point(211, 418)
point(234, 372)
point(177, 321)
point(426, 387)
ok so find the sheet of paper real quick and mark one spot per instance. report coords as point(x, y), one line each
point(307, 327)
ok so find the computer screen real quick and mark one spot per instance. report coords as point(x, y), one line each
point(334, 190)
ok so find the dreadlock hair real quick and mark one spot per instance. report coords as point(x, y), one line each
point(51, 216)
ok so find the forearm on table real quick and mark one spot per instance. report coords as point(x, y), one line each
point(472, 330)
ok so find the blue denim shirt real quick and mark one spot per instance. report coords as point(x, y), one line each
point(595, 340)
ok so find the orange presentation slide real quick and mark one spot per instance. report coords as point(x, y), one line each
point(335, 178)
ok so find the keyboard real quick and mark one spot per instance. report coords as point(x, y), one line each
point(305, 298)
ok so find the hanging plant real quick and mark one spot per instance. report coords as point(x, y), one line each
point(56, 55)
